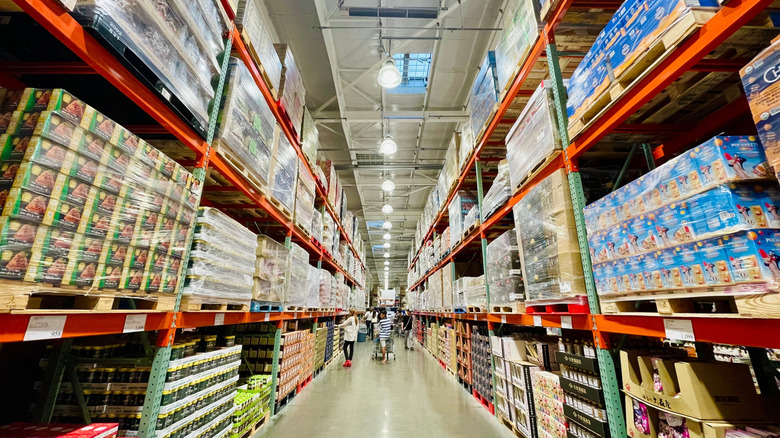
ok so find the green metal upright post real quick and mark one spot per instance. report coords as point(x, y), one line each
point(162, 354)
point(648, 150)
point(53, 380)
point(275, 365)
point(607, 369)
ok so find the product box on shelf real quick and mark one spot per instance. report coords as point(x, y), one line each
point(270, 272)
point(283, 175)
point(467, 144)
point(292, 91)
point(760, 89)
point(484, 95)
point(178, 42)
point(94, 430)
point(645, 421)
point(498, 193)
point(245, 135)
point(520, 23)
point(254, 32)
point(534, 137)
point(460, 206)
point(504, 271)
point(694, 389)
point(546, 233)
point(310, 137)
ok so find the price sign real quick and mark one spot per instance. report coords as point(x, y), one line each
point(45, 327)
point(566, 322)
point(267, 316)
point(503, 319)
point(219, 319)
point(475, 316)
point(134, 323)
point(537, 320)
point(679, 330)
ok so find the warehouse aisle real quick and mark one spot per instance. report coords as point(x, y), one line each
point(411, 397)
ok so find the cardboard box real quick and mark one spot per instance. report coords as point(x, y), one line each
point(763, 94)
point(695, 389)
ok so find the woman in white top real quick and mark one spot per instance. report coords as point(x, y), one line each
point(350, 326)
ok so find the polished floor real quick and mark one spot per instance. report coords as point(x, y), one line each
point(410, 397)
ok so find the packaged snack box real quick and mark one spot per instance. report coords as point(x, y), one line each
point(715, 262)
point(137, 258)
point(12, 147)
point(170, 282)
point(652, 272)
point(99, 124)
point(95, 221)
point(80, 273)
point(77, 192)
point(674, 224)
point(38, 99)
point(8, 173)
point(108, 276)
point(759, 79)
point(636, 277)
point(86, 248)
point(731, 158)
point(53, 242)
point(94, 147)
point(690, 266)
point(109, 180)
point(152, 281)
point(115, 253)
point(50, 154)
point(755, 257)
point(132, 278)
point(85, 169)
point(39, 179)
point(14, 262)
point(17, 234)
point(29, 206)
point(46, 269)
point(23, 123)
point(128, 142)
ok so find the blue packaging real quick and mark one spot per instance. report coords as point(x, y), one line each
point(731, 158)
point(754, 256)
point(689, 264)
point(598, 243)
point(636, 202)
point(651, 269)
point(641, 233)
point(686, 170)
point(620, 201)
point(771, 203)
point(621, 276)
point(636, 277)
point(715, 262)
point(624, 245)
point(670, 270)
point(608, 278)
point(725, 209)
point(674, 224)
point(598, 278)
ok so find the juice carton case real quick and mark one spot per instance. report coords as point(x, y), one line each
point(651, 270)
point(715, 262)
point(689, 265)
point(636, 273)
point(641, 233)
point(755, 257)
point(732, 158)
point(674, 224)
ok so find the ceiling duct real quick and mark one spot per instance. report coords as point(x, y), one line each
point(390, 12)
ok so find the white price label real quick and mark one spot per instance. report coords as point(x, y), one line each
point(566, 322)
point(537, 320)
point(45, 327)
point(679, 329)
point(503, 319)
point(295, 315)
point(219, 319)
point(134, 323)
point(475, 317)
point(553, 331)
point(267, 316)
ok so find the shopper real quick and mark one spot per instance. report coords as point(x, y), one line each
point(374, 321)
point(369, 326)
point(350, 326)
point(385, 327)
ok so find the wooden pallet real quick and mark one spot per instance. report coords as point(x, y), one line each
point(274, 89)
point(459, 309)
point(536, 170)
point(644, 65)
point(197, 304)
point(765, 305)
point(577, 304)
point(294, 309)
point(282, 209)
point(238, 165)
point(518, 307)
point(265, 306)
point(474, 309)
point(252, 430)
point(23, 299)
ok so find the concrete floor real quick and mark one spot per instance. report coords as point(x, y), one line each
point(410, 397)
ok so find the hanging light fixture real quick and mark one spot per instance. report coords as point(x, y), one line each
point(386, 245)
point(387, 255)
point(386, 268)
point(388, 185)
point(387, 263)
point(388, 146)
point(387, 236)
point(387, 209)
point(389, 76)
point(387, 225)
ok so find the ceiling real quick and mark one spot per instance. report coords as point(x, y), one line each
point(339, 58)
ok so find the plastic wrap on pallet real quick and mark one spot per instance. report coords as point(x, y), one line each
point(220, 267)
point(255, 33)
point(474, 292)
point(310, 139)
point(470, 220)
point(447, 286)
point(270, 282)
point(178, 41)
point(284, 172)
point(499, 193)
point(313, 288)
point(316, 225)
point(293, 93)
point(633, 37)
point(460, 206)
point(246, 127)
point(304, 203)
point(434, 288)
point(297, 276)
point(521, 29)
point(335, 292)
point(534, 136)
point(325, 281)
point(329, 232)
point(547, 236)
point(87, 204)
point(717, 161)
point(504, 272)
point(467, 144)
point(761, 89)
point(484, 95)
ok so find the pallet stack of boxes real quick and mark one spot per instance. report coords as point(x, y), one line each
point(480, 356)
point(484, 95)
point(87, 204)
point(256, 36)
point(220, 267)
point(257, 340)
point(283, 174)
point(270, 275)
point(292, 93)
point(290, 363)
point(504, 274)
point(520, 23)
point(704, 221)
point(463, 343)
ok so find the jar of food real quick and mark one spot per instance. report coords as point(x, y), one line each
point(230, 341)
point(177, 351)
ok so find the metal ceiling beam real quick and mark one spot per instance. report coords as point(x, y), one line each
point(389, 167)
point(393, 116)
point(430, 25)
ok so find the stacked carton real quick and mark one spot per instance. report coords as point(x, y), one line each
point(270, 279)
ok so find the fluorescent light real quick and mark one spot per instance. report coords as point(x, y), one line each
point(387, 263)
point(387, 255)
point(389, 76)
point(387, 236)
point(387, 209)
point(388, 185)
point(387, 225)
point(386, 245)
point(386, 268)
point(388, 146)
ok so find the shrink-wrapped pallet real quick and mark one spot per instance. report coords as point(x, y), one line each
point(484, 95)
point(504, 272)
point(304, 202)
point(313, 288)
point(293, 93)
point(297, 277)
point(499, 193)
point(271, 262)
point(310, 139)
point(254, 31)
point(325, 281)
point(460, 206)
point(284, 172)
point(520, 24)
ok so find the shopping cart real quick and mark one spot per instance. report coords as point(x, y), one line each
point(389, 348)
